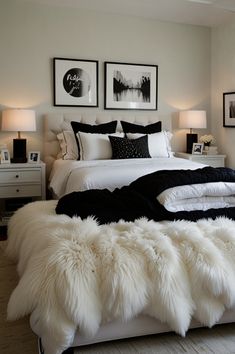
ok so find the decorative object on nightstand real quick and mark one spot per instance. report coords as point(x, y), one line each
point(34, 156)
point(197, 148)
point(19, 120)
point(211, 160)
point(210, 150)
point(192, 120)
point(5, 156)
point(208, 140)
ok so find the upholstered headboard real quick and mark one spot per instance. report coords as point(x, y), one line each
point(55, 123)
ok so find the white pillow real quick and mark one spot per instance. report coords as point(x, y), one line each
point(95, 146)
point(68, 145)
point(158, 143)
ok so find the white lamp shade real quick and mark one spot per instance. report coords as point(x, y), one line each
point(21, 120)
point(192, 119)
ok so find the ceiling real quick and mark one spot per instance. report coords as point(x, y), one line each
point(197, 12)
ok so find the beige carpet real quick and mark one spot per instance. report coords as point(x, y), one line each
point(15, 337)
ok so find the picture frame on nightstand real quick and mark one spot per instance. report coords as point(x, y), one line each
point(34, 157)
point(5, 156)
point(197, 148)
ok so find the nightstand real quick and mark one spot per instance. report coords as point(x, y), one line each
point(211, 160)
point(19, 184)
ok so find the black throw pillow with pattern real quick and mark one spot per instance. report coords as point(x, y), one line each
point(123, 148)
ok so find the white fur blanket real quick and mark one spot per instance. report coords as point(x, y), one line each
point(74, 273)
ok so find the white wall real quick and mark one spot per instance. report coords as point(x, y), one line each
point(223, 80)
point(31, 35)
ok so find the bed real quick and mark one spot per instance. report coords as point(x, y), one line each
point(115, 266)
point(67, 174)
point(70, 175)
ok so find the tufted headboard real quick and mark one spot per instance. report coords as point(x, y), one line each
point(55, 123)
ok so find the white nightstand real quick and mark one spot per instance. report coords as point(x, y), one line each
point(211, 160)
point(21, 180)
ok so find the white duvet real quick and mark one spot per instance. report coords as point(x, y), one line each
point(69, 175)
point(201, 196)
point(76, 274)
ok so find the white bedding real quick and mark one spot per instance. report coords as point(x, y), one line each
point(68, 176)
point(201, 196)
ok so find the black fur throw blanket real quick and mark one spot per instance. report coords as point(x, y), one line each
point(139, 199)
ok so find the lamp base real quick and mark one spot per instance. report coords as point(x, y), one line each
point(19, 160)
point(191, 138)
point(19, 151)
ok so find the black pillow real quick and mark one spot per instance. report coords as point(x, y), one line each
point(104, 128)
point(123, 148)
point(128, 127)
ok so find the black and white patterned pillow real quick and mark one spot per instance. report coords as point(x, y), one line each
point(123, 148)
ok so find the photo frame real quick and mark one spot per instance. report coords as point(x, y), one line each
point(5, 156)
point(229, 109)
point(34, 157)
point(130, 86)
point(197, 148)
point(75, 82)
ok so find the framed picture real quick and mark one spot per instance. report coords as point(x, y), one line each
point(229, 109)
point(197, 148)
point(75, 82)
point(5, 156)
point(130, 86)
point(34, 156)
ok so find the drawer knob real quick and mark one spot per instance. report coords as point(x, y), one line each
point(17, 190)
point(17, 176)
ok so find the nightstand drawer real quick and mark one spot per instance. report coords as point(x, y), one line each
point(20, 191)
point(217, 162)
point(211, 160)
point(20, 176)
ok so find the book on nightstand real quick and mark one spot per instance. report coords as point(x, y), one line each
point(211, 150)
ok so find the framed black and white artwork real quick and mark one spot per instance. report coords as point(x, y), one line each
point(75, 82)
point(130, 86)
point(229, 109)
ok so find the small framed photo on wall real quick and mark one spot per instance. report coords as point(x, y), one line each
point(197, 148)
point(34, 156)
point(229, 109)
point(5, 156)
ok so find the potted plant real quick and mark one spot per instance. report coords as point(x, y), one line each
point(207, 140)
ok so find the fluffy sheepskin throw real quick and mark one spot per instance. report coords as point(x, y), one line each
point(75, 273)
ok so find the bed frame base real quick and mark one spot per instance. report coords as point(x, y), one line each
point(139, 326)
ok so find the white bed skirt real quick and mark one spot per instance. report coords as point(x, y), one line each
point(139, 326)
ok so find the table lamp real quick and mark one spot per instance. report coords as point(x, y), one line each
point(20, 120)
point(192, 120)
